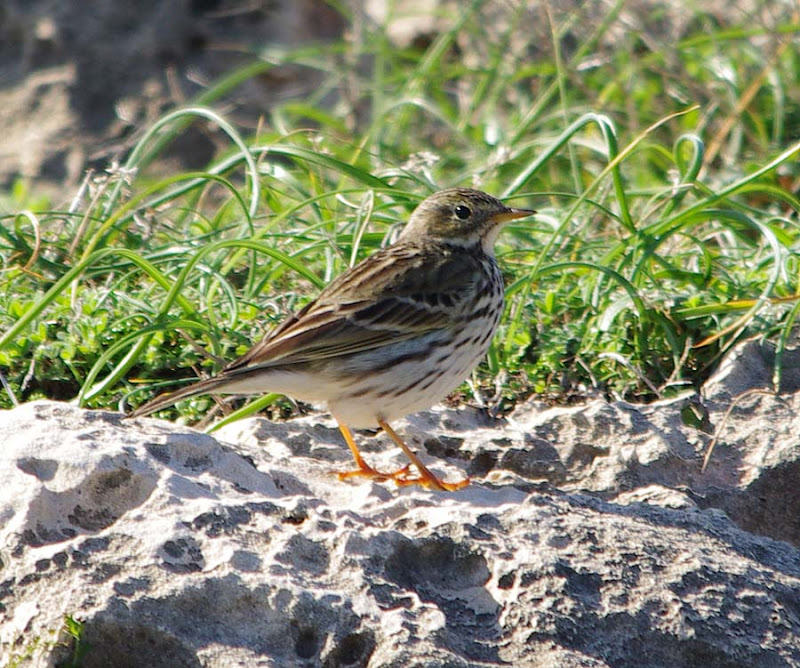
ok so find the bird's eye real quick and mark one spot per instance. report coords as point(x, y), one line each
point(462, 212)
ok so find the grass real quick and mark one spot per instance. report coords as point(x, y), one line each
point(664, 171)
point(66, 642)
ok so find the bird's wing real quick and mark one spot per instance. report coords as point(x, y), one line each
point(385, 299)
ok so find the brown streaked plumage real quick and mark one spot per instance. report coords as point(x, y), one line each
point(392, 335)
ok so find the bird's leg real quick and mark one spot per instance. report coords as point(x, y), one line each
point(425, 478)
point(364, 469)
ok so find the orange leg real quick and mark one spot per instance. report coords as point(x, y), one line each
point(425, 478)
point(364, 469)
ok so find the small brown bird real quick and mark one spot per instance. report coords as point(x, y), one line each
point(392, 335)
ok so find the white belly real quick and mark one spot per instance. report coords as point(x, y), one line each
point(413, 385)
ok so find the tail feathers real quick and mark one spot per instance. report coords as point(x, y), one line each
point(166, 400)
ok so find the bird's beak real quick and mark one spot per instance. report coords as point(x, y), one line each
point(511, 214)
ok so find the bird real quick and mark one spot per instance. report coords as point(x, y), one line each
point(392, 335)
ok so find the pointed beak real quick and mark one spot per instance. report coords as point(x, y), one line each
point(511, 214)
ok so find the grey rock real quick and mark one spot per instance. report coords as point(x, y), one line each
point(177, 548)
point(610, 448)
point(751, 365)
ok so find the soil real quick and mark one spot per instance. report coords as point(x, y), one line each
point(80, 81)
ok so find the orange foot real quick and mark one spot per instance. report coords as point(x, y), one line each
point(366, 471)
point(425, 478)
point(404, 478)
point(430, 481)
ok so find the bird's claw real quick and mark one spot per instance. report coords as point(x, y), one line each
point(404, 478)
point(430, 481)
point(366, 471)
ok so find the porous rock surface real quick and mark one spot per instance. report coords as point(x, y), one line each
point(588, 537)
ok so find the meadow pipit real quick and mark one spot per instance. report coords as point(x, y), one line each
point(392, 335)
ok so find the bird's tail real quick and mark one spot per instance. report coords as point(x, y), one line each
point(168, 399)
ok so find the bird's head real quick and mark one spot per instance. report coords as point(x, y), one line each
point(461, 216)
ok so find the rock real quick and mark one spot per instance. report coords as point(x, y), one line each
point(609, 448)
point(750, 366)
point(176, 548)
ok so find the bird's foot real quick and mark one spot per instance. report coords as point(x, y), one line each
point(366, 471)
point(403, 477)
point(424, 478)
point(429, 481)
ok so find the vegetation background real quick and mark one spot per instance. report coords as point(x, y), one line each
point(658, 142)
